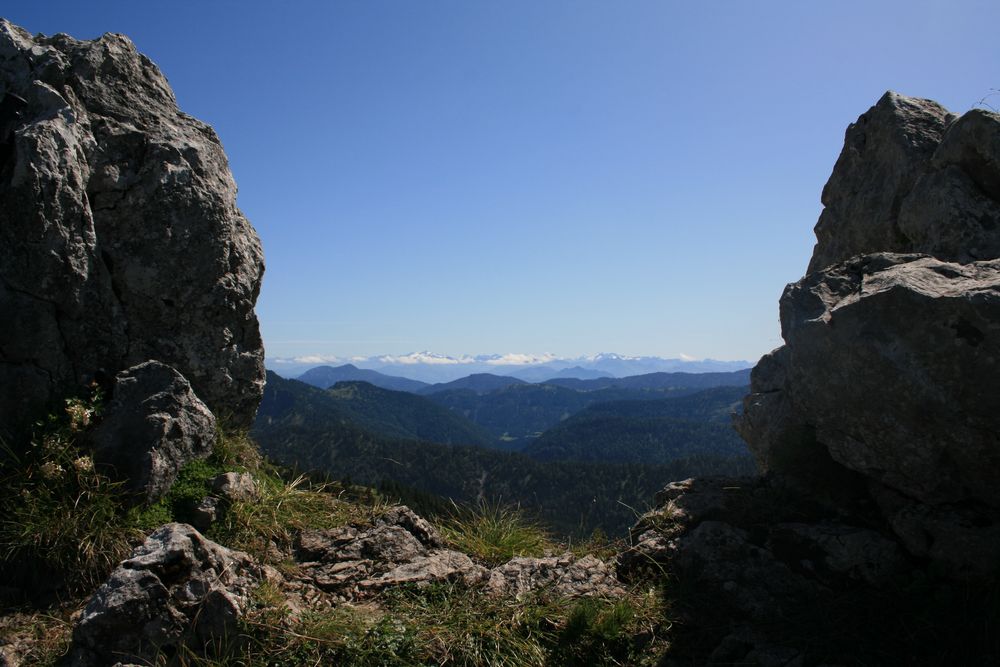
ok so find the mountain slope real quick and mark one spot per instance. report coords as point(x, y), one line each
point(657, 431)
point(327, 376)
point(526, 410)
point(302, 426)
point(400, 414)
point(480, 383)
point(738, 378)
point(381, 412)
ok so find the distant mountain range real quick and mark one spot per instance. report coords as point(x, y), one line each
point(432, 368)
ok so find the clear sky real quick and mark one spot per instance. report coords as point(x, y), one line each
point(536, 176)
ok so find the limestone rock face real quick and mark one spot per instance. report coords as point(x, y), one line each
point(235, 487)
point(892, 359)
point(890, 368)
point(152, 427)
point(119, 231)
point(877, 424)
point(913, 177)
point(403, 548)
point(178, 589)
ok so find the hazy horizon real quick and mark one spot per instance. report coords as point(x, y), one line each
point(509, 358)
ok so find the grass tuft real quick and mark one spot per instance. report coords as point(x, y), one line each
point(495, 533)
point(281, 511)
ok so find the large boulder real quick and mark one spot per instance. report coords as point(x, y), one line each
point(895, 360)
point(152, 427)
point(178, 591)
point(885, 152)
point(913, 178)
point(119, 231)
point(889, 375)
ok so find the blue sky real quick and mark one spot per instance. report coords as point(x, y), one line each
point(522, 176)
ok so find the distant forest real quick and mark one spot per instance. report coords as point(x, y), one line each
point(590, 459)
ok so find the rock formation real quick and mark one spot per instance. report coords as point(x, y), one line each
point(177, 590)
point(119, 231)
point(892, 350)
point(402, 548)
point(153, 426)
point(876, 425)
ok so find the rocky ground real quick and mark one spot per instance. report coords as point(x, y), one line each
point(182, 598)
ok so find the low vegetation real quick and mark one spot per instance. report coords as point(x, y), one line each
point(60, 519)
point(448, 624)
point(494, 533)
point(61, 513)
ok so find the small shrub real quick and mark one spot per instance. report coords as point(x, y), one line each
point(59, 517)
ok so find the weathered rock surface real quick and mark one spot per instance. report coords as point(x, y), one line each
point(913, 178)
point(891, 359)
point(235, 486)
point(178, 589)
point(890, 368)
point(119, 230)
point(153, 425)
point(400, 548)
point(564, 576)
point(877, 426)
point(886, 151)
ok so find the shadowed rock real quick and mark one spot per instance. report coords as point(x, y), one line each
point(152, 427)
point(892, 357)
point(886, 150)
point(877, 426)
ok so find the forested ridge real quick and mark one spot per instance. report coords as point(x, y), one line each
point(303, 426)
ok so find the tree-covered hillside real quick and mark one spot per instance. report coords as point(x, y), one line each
point(327, 376)
point(401, 414)
point(657, 431)
point(520, 412)
point(297, 427)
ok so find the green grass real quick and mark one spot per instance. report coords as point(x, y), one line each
point(59, 517)
point(282, 509)
point(446, 624)
point(43, 637)
point(495, 533)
